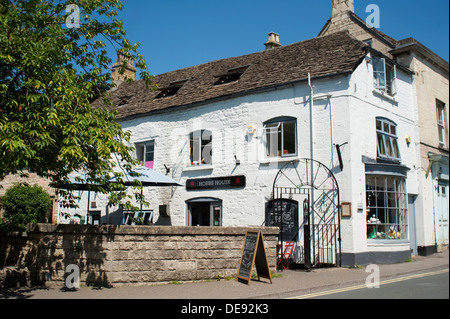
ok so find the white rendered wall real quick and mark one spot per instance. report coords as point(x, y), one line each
point(346, 116)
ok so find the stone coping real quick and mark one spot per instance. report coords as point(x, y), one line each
point(146, 230)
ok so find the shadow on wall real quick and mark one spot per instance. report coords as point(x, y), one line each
point(45, 253)
point(110, 255)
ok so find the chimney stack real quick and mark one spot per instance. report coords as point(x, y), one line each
point(274, 41)
point(341, 7)
point(129, 73)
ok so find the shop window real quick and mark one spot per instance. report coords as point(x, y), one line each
point(386, 200)
point(281, 137)
point(384, 76)
point(387, 140)
point(145, 153)
point(200, 150)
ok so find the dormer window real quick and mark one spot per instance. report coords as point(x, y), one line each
point(171, 90)
point(232, 75)
point(124, 100)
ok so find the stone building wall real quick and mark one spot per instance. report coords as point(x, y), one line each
point(32, 179)
point(114, 256)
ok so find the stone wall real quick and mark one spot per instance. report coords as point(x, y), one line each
point(32, 179)
point(113, 256)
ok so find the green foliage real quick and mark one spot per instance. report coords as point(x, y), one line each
point(26, 204)
point(49, 75)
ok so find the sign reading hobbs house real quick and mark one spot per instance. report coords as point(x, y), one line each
point(217, 182)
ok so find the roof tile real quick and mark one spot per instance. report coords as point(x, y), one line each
point(332, 54)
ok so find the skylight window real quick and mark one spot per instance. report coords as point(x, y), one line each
point(232, 75)
point(171, 90)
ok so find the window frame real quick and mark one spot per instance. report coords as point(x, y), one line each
point(144, 217)
point(387, 208)
point(279, 123)
point(200, 161)
point(143, 145)
point(384, 76)
point(440, 117)
point(389, 140)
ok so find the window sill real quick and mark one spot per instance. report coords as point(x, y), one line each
point(198, 168)
point(385, 96)
point(386, 242)
point(275, 160)
point(389, 160)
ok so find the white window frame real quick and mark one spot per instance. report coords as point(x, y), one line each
point(387, 211)
point(142, 217)
point(384, 82)
point(202, 153)
point(146, 148)
point(440, 110)
point(277, 127)
point(389, 140)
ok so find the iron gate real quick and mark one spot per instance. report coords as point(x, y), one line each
point(317, 230)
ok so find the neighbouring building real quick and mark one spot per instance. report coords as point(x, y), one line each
point(429, 210)
point(30, 178)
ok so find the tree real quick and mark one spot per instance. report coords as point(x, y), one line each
point(51, 68)
point(26, 204)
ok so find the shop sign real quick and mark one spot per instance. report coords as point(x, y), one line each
point(216, 182)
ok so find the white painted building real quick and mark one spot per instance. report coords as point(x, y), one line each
point(225, 129)
point(429, 210)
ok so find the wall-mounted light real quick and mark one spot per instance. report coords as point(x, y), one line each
point(408, 139)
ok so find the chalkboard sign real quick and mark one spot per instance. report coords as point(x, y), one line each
point(253, 253)
point(283, 212)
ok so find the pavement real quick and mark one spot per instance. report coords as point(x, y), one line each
point(286, 284)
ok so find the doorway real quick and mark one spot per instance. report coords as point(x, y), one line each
point(204, 212)
point(441, 212)
point(316, 230)
point(412, 223)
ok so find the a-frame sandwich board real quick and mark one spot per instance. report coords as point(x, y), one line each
point(253, 254)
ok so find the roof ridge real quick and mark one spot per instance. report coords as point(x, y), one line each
point(268, 68)
point(335, 34)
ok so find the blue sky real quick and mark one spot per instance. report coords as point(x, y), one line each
point(181, 33)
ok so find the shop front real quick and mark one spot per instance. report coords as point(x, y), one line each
point(387, 214)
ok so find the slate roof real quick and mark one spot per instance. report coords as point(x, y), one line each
point(323, 56)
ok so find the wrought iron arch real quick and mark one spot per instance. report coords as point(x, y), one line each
point(318, 236)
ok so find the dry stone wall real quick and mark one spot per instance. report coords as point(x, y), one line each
point(125, 255)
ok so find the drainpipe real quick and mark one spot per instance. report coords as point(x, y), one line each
point(311, 104)
point(311, 143)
